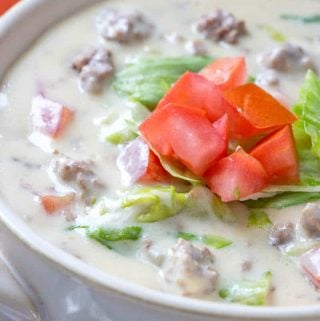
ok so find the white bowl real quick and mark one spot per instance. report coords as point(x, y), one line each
point(64, 288)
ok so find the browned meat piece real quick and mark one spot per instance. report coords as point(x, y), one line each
point(123, 27)
point(221, 25)
point(94, 66)
point(196, 47)
point(281, 234)
point(188, 269)
point(77, 174)
point(310, 219)
point(287, 57)
point(246, 266)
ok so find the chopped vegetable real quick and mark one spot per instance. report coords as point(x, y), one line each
point(226, 73)
point(284, 200)
point(196, 91)
point(310, 263)
point(274, 34)
point(138, 164)
point(281, 166)
point(248, 292)
point(6, 4)
point(105, 236)
point(214, 241)
point(259, 108)
point(125, 128)
point(314, 18)
point(154, 203)
point(236, 176)
point(308, 109)
point(185, 133)
point(48, 117)
point(301, 247)
point(147, 80)
point(258, 218)
point(309, 164)
point(55, 203)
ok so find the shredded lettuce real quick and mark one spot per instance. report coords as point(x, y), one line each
point(274, 34)
point(123, 129)
point(258, 218)
point(154, 203)
point(147, 80)
point(248, 292)
point(202, 200)
point(314, 18)
point(214, 241)
point(105, 236)
point(283, 200)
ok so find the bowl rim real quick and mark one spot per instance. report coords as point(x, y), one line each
point(88, 273)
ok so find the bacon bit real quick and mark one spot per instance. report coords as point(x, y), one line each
point(54, 203)
point(48, 117)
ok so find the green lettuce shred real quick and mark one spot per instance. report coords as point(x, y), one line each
point(214, 241)
point(248, 292)
point(274, 34)
point(283, 200)
point(148, 79)
point(105, 236)
point(258, 218)
point(124, 128)
point(154, 203)
point(314, 18)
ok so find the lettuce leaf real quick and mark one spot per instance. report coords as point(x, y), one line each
point(214, 241)
point(124, 128)
point(154, 203)
point(105, 236)
point(248, 292)
point(147, 80)
point(283, 200)
point(258, 218)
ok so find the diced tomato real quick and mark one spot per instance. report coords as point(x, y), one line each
point(226, 73)
point(50, 118)
point(277, 154)
point(236, 176)
point(138, 164)
point(6, 4)
point(55, 203)
point(185, 133)
point(196, 91)
point(310, 262)
point(257, 106)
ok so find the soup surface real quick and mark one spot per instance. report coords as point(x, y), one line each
point(72, 164)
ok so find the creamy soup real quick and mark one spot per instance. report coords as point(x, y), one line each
point(74, 167)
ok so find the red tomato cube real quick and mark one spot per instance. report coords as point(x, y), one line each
point(277, 154)
point(236, 176)
point(226, 73)
point(186, 134)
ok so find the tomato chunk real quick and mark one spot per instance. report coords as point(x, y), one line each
point(226, 73)
point(236, 176)
point(55, 203)
point(261, 110)
point(50, 118)
point(185, 133)
point(310, 262)
point(138, 164)
point(6, 4)
point(277, 154)
point(196, 91)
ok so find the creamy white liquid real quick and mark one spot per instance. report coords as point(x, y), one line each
point(46, 67)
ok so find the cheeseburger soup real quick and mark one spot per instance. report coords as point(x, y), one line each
point(174, 144)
